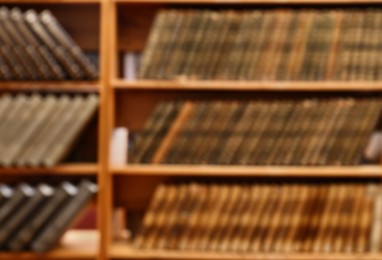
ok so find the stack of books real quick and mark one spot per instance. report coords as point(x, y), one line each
point(35, 217)
point(39, 130)
point(36, 47)
point(330, 217)
point(267, 44)
point(332, 131)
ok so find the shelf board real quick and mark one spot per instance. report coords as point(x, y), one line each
point(80, 86)
point(76, 244)
point(49, 1)
point(66, 169)
point(261, 171)
point(349, 2)
point(247, 85)
point(124, 251)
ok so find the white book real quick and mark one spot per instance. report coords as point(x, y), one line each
point(119, 146)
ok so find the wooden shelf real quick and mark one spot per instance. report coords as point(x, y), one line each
point(343, 2)
point(76, 244)
point(247, 85)
point(66, 169)
point(262, 171)
point(49, 1)
point(73, 86)
point(124, 251)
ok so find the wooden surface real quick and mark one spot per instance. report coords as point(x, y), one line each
point(72, 86)
point(264, 171)
point(63, 169)
point(124, 251)
point(277, 2)
point(76, 244)
point(247, 85)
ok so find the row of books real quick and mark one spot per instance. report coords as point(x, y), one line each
point(38, 130)
point(36, 47)
point(35, 217)
point(265, 44)
point(328, 217)
point(332, 131)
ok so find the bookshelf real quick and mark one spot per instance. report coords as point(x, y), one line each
point(114, 26)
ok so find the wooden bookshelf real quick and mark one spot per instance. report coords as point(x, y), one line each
point(115, 26)
point(124, 251)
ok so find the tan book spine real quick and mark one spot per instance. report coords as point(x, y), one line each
point(273, 133)
point(366, 127)
point(261, 26)
point(233, 112)
point(240, 240)
point(258, 20)
point(376, 225)
point(239, 46)
point(181, 142)
point(202, 196)
point(224, 220)
point(284, 35)
point(268, 56)
point(228, 46)
point(201, 134)
point(153, 44)
point(299, 46)
point(43, 130)
point(173, 217)
point(210, 136)
point(243, 146)
point(70, 131)
point(265, 46)
point(274, 226)
point(148, 224)
point(213, 216)
point(362, 239)
point(290, 242)
point(299, 135)
point(353, 72)
point(235, 226)
point(288, 213)
point(257, 132)
point(151, 239)
point(181, 44)
point(305, 218)
point(359, 197)
point(248, 236)
point(317, 212)
point(14, 142)
point(263, 220)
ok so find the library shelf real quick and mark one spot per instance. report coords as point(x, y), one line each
point(261, 171)
point(124, 251)
point(76, 244)
point(64, 169)
point(71, 86)
point(247, 85)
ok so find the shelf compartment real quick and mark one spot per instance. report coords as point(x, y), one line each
point(124, 251)
point(248, 85)
point(65, 169)
point(49, 1)
point(260, 171)
point(73, 86)
point(76, 244)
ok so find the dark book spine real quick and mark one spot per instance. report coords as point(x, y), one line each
point(50, 235)
point(64, 193)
